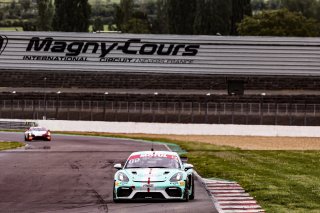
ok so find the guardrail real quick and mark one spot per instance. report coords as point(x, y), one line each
point(16, 124)
point(297, 114)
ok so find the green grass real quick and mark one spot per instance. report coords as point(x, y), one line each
point(105, 28)
point(10, 145)
point(281, 181)
point(11, 29)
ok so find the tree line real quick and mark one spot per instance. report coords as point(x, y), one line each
point(201, 17)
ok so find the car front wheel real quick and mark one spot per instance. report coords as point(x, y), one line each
point(115, 200)
point(186, 193)
point(191, 197)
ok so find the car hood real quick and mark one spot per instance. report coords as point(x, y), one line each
point(38, 133)
point(155, 174)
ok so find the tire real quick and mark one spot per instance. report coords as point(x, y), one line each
point(186, 193)
point(115, 200)
point(191, 197)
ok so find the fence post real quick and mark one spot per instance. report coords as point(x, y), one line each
point(44, 99)
point(57, 105)
point(153, 106)
point(91, 112)
point(128, 110)
point(80, 109)
point(305, 114)
point(207, 107)
point(276, 111)
point(1, 109)
point(261, 107)
point(179, 112)
point(247, 113)
point(68, 111)
point(22, 108)
point(116, 110)
point(12, 100)
point(33, 110)
point(166, 112)
point(104, 106)
point(290, 111)
point(141, 107)
point(232, 115)
point(192, 118)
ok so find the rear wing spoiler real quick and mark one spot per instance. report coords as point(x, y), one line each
point(184, 159)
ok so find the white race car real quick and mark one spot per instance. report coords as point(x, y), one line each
point(37, 133)
point(153, 175)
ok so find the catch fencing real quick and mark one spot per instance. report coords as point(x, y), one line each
point(211, 112)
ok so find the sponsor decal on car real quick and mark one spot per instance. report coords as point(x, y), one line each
point(157, 155)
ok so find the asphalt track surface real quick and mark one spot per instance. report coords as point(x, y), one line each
point(74, 174)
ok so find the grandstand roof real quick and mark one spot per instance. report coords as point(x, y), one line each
point(126, 53)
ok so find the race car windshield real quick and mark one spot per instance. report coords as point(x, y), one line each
point(153, 162)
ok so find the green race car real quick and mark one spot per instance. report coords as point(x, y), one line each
point(153, 175)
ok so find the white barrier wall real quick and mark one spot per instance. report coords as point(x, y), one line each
point(178, 129)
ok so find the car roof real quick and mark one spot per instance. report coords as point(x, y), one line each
point(154, 152)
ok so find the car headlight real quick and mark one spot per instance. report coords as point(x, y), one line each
point(123, 177)
point(177, 177)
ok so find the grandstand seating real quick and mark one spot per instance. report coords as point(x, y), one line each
point(58, 79)
point(294, 96)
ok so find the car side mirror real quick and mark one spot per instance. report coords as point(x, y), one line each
point(188, 166)
point(118, 166)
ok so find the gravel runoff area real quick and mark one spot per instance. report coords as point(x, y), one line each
point(247, 142)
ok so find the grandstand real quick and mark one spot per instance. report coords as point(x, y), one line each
point(226, 80)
